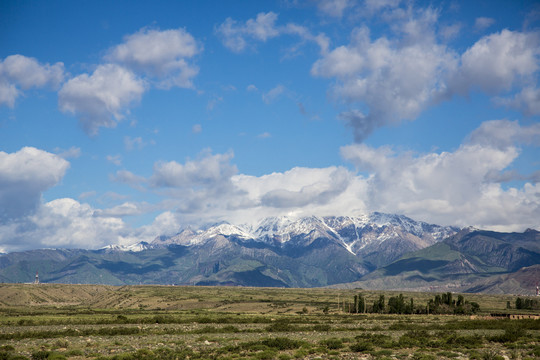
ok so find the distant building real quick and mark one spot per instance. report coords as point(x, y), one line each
point(36, 280)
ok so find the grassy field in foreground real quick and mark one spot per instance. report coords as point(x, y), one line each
point(53, 321)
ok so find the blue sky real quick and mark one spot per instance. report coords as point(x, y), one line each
point(124, 120)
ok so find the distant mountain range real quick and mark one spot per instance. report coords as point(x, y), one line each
point(468, 261)
point(373, 251)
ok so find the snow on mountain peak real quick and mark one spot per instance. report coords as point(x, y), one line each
point(353, 233)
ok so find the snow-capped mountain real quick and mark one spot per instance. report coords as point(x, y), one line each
point(378, 238)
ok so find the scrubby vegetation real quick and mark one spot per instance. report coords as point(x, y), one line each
point(263, 324)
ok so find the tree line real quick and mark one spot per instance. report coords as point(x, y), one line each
point(524, 304)
point(441, 304)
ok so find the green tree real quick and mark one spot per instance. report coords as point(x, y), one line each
point(396, 304)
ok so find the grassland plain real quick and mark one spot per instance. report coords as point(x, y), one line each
point(54, 321)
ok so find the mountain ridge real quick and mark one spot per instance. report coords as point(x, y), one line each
point(371, 251)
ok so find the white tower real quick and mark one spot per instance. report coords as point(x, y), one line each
point(36, 281)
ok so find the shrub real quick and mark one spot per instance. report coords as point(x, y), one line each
point(361, 346)
point(282, 343)
point(321, 327)
point(281, 326)
point(50, 355)
point(266, 355)
point(413, 338)
point(332, 343)
point(511, 334)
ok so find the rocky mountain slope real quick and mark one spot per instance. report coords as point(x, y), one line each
point(284, 251)
point(469, 261)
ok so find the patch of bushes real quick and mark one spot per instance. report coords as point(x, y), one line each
point(282, 343)
point(50, 355)
point(511, 334)
point(413, 338)
point(281, 326)
point(332, 343)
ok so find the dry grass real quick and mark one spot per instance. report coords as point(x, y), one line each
point(153, 322)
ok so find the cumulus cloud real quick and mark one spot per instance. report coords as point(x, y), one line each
point(321, 192)
point(122, 210)
point(234, 35)
point(18, 71)
point(501, 134)
point(24, 176)
point(102, 98)
point(334, 8)
point(238, 36)
point(498, 61)
point(208, 170)
point(397, 76)
point(63, 223)
point(163, 55)
point(527, 101)
point(467, 186)
point(395, 79)
point(297, 192)
point(457, 187)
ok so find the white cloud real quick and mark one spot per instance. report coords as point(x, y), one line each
point(207, 171)
point(526, 101)
point(334, 8)
point(238, 36)
point(297, 192)
point(501, 134)
point(163, 55)
point(101, 99)
point(133, 143)
point(251, 88)
point(25, 73)
point(72, 152)
point(462, 187)
point(24, 176)
point(8, 93)
point(127, 177)
point(497, 62)
point(395, 79)
point(87, 194)
point(114, 159)
point(196, 129)
point(264, 135)
point(234, 35)
point(397, 76)
point(122, 210)
point(63, 223)
point(483, 23)
point(376, 5)
point(451, 31)
point(213, 102)
point(453, 187)
point(273, 94)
